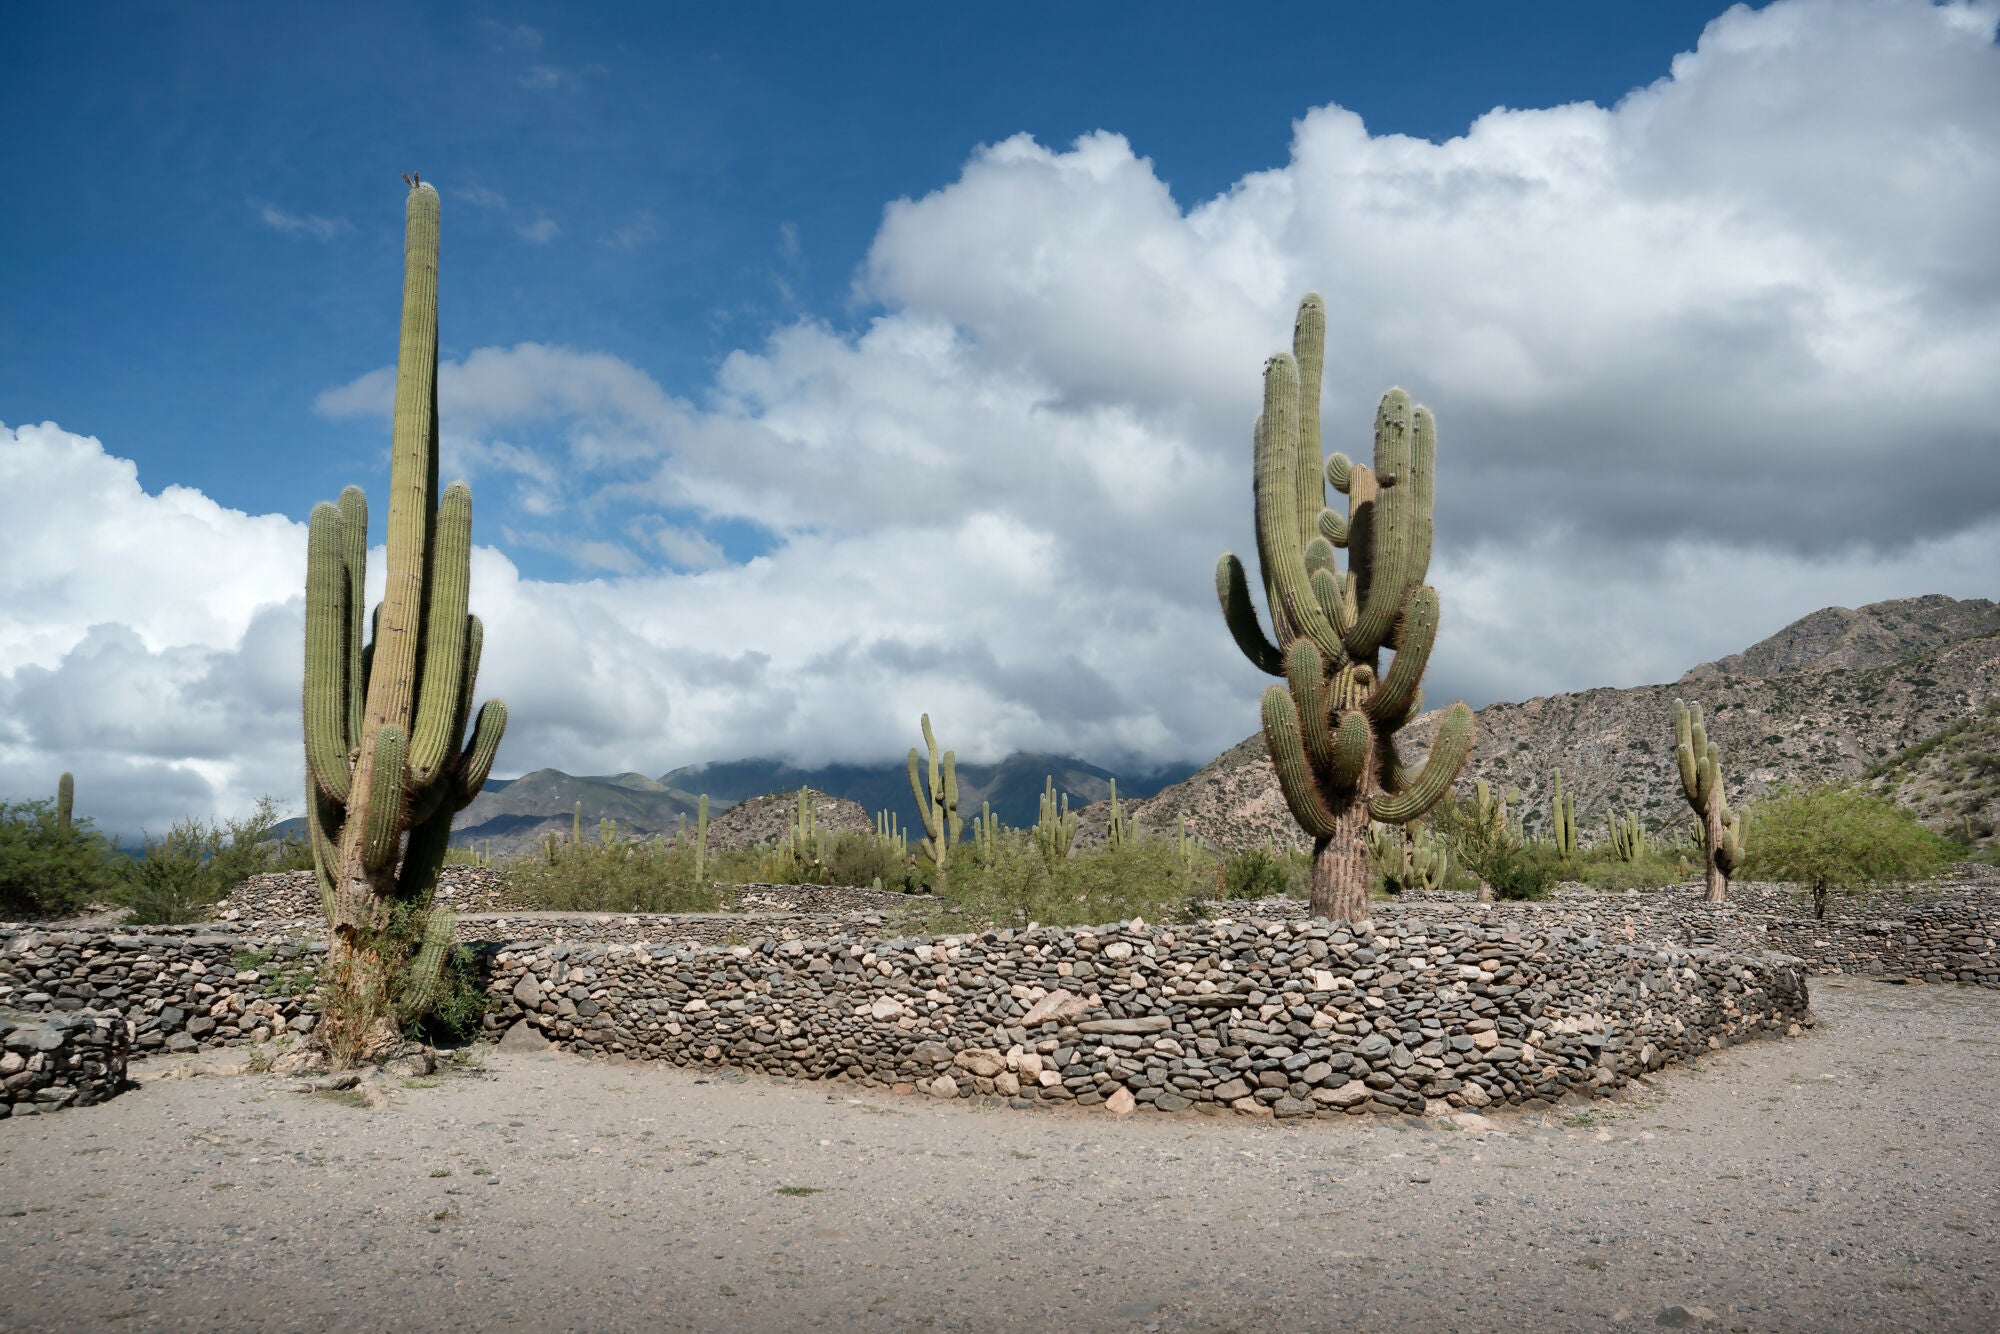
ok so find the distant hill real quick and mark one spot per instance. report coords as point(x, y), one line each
point(1877, 635)
point(1951, 778)
point(763, 819)
point(511, 816)
point(1843, 711)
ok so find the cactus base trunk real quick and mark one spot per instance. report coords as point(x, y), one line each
point(1342, 870)
point(357, 1020)
point(1717, 883)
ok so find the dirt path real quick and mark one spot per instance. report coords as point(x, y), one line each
point(1847, 1180)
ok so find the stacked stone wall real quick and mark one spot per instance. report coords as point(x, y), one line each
point(1302, 1018)
point(61, 1060)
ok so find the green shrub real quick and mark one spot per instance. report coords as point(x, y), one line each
point(182, 875)
point(1525, 872)
point(1257, 873)
point(1832, 840)
point(655, 875)
point(46, 872)
point(1142, 877)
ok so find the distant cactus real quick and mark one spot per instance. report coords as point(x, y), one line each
point(1331, 729)
point(937, 802)
point(986, 833)
point(1562, 813)
point(1116, 831)
point(1408, 857)
point(1701, 782)
point(65, 802)
point(576, 826)
point(891, 835)
point(1190, 847)
point(701, 840)
point(387, 758)
point(1055, 829)
point(1628, 837)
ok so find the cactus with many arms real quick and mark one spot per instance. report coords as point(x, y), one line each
point(1055, 828)
point(1701, 781)
point(1408, 857)
point(937, 802)
point(890, 835)
point(1562, 812)
point(986, 833)
point(1118, 828)
point(386, 722)
point(1628, 837)
point(1331, 728)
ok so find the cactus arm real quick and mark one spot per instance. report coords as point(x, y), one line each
point(1337, 470)
point(953, 825)
point(65, 804)
point(1331, 526)
point(1449, 750)
point(1309, 355)
point(1392, 701)
point(353, 507)
point(322, 818)
point(412, 475)
point(1303, 672)
point(1350, 752)
point(1232, 587)
point(423, 856)
point(326, 655)
point(1280, 547)
point(1405, 445)
point(923, 797)
point(701, 837)
point(382, 816)
point(476, 765)
point(443, 661)
point(426, 971)
point(1288, 757)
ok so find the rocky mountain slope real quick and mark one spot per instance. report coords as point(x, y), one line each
point(767, 818)
point(1825, 698)
point(1950, 779)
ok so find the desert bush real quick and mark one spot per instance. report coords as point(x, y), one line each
point(1260, 873)
point(1840, 840)
point(45, 870)
point(1141, 877)
point(1523, 872)
point(181, 874)
point(655, 875)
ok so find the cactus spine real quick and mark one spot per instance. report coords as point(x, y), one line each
point(1701, 781)
point(385, 723)
point(66, 804)
point(1628, 837)
point(1331, 728)
point(1563, 813)
point(937, 802)
point(1055, 827)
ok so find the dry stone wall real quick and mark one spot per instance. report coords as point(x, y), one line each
point(1301, 1018)
point(61, 1060)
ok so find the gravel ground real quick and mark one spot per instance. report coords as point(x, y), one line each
point(1845, 1180)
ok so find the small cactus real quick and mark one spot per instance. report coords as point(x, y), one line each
point(1563, 818)
point(701, 840)
point(1116, 831)
point(986, 833)
point(1721, 830)
point(1055, 828)
point(1628, 837)
point(937, 802)
point(65, 804)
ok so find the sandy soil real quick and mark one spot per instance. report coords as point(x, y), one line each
point(1846, 1180)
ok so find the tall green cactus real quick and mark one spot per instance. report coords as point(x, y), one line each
point(890, 834)
point(1331, 728)
point(937, 802)
point(1116, 830)
point(1562, 812)
point(65, 804)
point(1055, 827)
point(385, 722)
point(1701, 782)
point(1408, 857)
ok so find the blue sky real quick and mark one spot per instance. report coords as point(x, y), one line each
point(812, 374)
point(677, 180)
